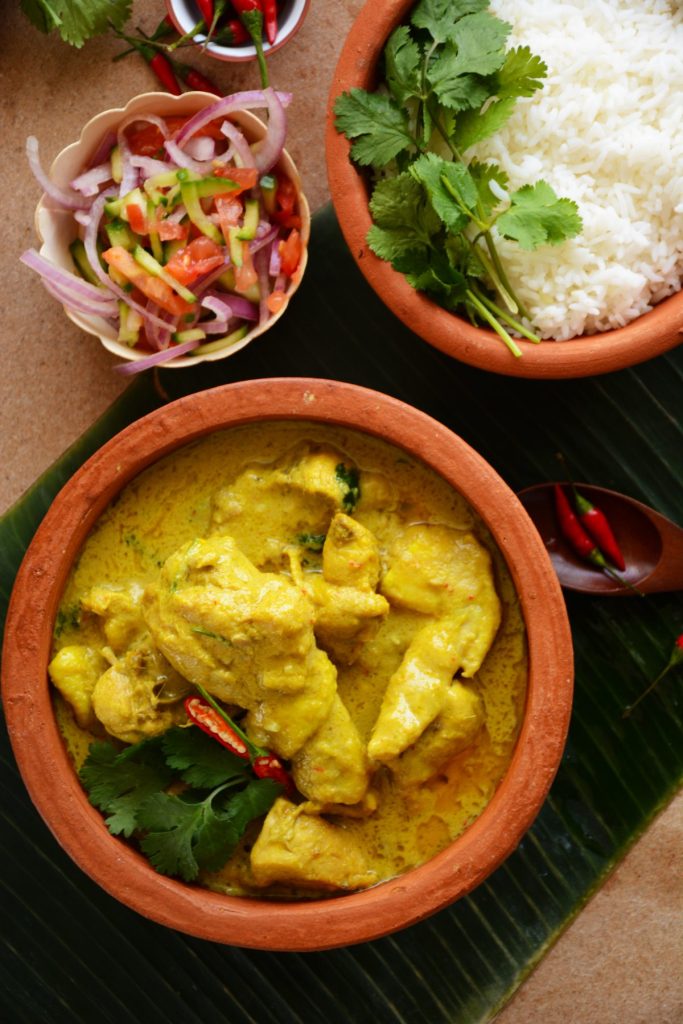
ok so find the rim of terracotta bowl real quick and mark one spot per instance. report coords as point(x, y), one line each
point(240, 921)
point(57, 228)
point(294, 17)
point(649, 335)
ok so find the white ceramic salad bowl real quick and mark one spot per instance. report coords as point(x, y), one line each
point(58, 228)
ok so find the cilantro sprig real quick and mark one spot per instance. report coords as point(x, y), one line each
point(197, 826)
point(76, 20)
point(449, 83)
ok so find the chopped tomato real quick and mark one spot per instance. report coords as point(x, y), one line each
point(200, 257)
point(290, 252)
point(153, 287)
point(167, 230)
point(276, 300)
point(212, 129)
point(137, 219)
point(285, 196)
point(245, 177)
point(245, 276)
point(145, 140)
point(230, 210)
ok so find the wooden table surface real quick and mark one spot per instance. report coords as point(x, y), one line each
point(620, 961)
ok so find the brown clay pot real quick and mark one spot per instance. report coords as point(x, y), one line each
point(648, 336)
point(317, 924)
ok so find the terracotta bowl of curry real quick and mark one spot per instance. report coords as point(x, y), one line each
point(324, 643)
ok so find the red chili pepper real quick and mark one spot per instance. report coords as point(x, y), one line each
point(208, 719)
point(196, 80)
point(268, 766)
point(597, 525)
point(251, 15)
point(206, 10)
point(161, 66)
point(572, 530)
point(270, 19)
point(676, 658)
point(233, 33)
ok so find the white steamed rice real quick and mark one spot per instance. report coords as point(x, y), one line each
point(605, 130)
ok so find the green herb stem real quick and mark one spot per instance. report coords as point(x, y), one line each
point(491, 320)
point(497, 311)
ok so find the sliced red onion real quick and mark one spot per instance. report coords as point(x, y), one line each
point(255, 99)
point(64, 279)
point(82, 217)
point(264, 240)
point(261, 267)
point(280, 282)
point(270, 148)
point(76, 305)
point(149, 166)
point(67, 200)
point(88, 184)
point(182, 159)
point(215, 326)
point(158, 337)
point(243, 308)
point(202, 148)
point(239, 144)
point(90, 243)
point(104, 149)
point(217, 305)
point(275, 263)
point(156, 358)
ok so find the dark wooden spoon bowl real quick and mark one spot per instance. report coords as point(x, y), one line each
point(651, 544)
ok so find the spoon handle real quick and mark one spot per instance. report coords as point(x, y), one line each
point(668, 574)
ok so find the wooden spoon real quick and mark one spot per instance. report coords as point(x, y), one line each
point(651, 544)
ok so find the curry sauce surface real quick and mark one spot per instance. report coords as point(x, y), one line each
point(170, 504)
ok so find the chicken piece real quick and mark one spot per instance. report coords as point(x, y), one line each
point(268, 507)
point(74, 670)
point(434, 569)
point(345, 618)
point(246, 637)
point(350, 554)
point(331, 767)
point(120, 612)
point(446, 574)
point(296, 847)
point(126, 698)
point(453, 729)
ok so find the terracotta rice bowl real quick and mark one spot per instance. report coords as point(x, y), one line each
point(648, 336)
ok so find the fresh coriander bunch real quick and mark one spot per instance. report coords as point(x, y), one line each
point(77, 20)
point(448, 83)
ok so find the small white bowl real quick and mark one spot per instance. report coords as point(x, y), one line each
point(184, 14)
point(58, 228)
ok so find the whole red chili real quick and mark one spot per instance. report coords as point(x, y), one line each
point(251, 15)
point(196, 80)
point(232, 33)
point(676, 658)
point(597, 525)
point(208, 719)
point(270, 19)
point(572, 530)
point(206, 10)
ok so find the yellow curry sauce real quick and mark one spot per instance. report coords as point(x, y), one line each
point(407, 586)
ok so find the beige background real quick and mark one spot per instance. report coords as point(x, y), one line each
point(620, 962)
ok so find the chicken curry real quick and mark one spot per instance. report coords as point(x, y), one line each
point(344, 604)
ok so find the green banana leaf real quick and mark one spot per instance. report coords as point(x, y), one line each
point(71, 953)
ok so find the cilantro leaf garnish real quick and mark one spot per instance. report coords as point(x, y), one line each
point(537, 217)
point(402, 65)
point(118, 782)
point(77, 20)
point(379, 128)
point(348, 477)
point(200, 761)
point(451, 84)
point(182, 833)
point(312, 541)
